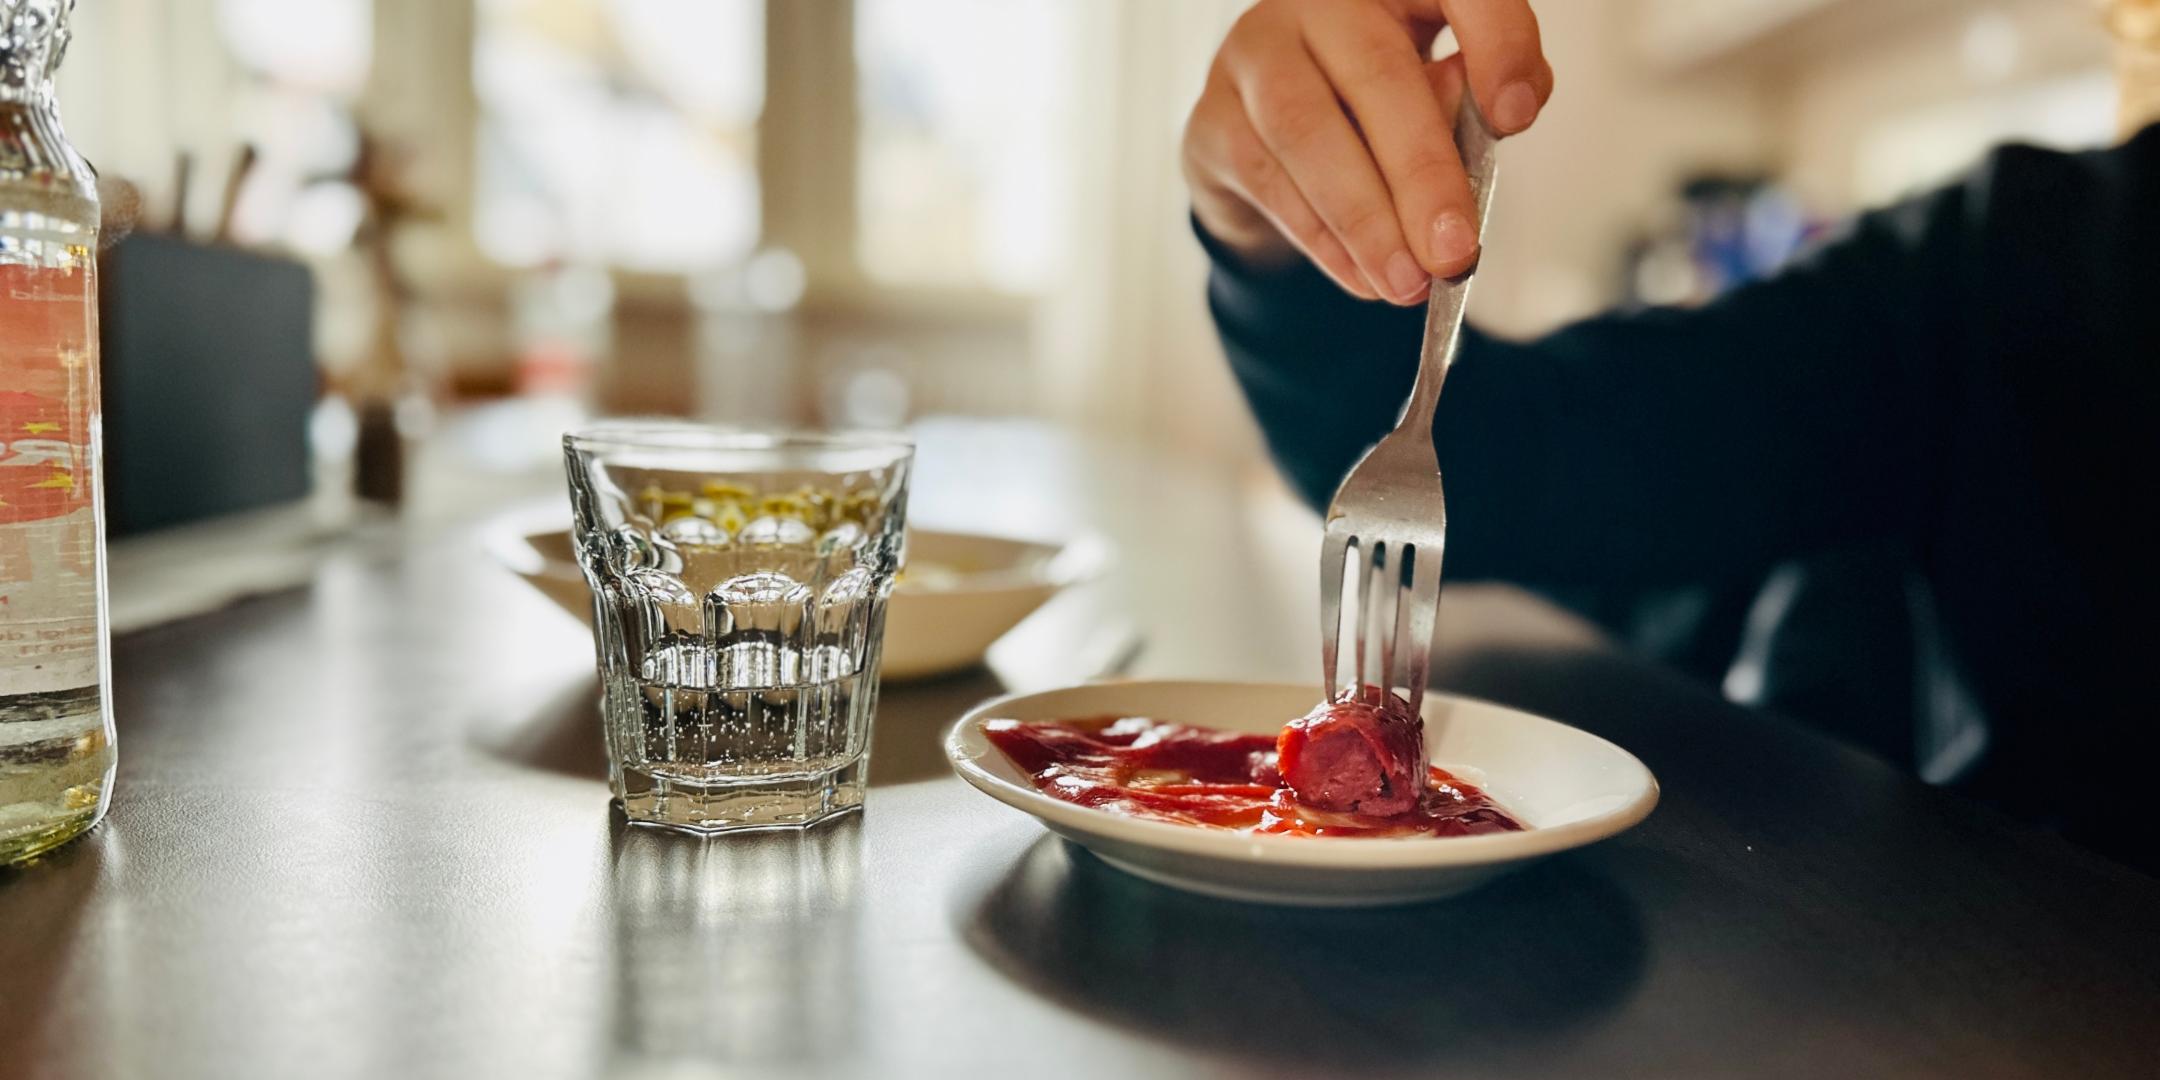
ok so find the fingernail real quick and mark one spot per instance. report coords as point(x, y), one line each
point(1404, 278)
point(1515, 108)
point(1453, 240)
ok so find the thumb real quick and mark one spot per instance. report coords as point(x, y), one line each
point(1448, 81)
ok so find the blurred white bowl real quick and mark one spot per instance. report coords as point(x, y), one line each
point(959, 593)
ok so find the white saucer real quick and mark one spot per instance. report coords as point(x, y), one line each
point(1570, 787)
point(935, 624)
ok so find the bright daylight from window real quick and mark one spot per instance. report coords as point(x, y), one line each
point(963, 110)
point(619, 132)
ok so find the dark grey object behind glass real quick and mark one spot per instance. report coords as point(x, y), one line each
point(209, 380)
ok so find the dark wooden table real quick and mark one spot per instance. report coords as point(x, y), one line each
point(362, 831)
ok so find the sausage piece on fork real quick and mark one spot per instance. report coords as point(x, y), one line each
point(1364, 755)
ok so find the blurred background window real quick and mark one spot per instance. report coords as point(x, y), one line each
point(962, 106)
point(856, 210)
point(618, 132)
point(318, 45)
point(306, 63)
point(1912, 150)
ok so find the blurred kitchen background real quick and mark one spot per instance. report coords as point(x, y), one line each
point(512, 213)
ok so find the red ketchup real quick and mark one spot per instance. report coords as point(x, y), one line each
point(1231, 780)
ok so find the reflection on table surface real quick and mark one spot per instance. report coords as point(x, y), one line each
point(362, 831)
point(1532, 957)
point(742, 950)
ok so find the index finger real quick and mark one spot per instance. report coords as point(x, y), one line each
point(1379, 72)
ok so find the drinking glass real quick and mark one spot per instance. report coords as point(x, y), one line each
point(739, 582)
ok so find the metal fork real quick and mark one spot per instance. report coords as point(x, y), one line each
point(1390, 510)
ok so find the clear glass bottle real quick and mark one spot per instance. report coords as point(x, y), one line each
point(56, 729)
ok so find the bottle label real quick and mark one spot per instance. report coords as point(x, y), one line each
point(40, 459)
point(50, 579)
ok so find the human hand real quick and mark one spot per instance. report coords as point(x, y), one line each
point(1324, 131)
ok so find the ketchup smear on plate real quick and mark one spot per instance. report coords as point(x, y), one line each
point(1214, 779)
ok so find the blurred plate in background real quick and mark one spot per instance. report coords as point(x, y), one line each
point(957, 595)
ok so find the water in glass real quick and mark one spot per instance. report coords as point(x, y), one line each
point(739, 586)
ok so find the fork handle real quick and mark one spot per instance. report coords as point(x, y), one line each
point(1443, 339)
point(1444, 309)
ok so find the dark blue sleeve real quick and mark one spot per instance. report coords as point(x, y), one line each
point(1664, 447)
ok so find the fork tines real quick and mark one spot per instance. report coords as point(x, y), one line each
point(1403, 627)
